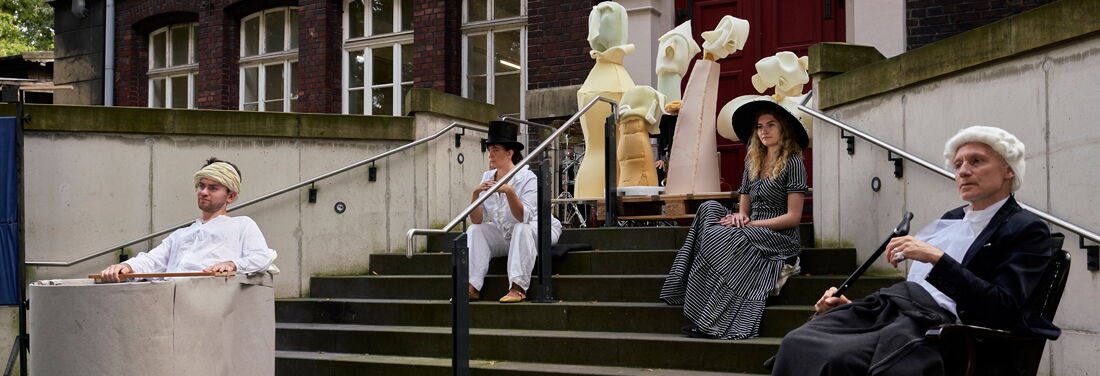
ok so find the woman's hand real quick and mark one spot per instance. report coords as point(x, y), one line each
point(828, 302)
point(484, 186)
point(111, 274)
point(506, 189)
point(908, 247)
point(734, 220)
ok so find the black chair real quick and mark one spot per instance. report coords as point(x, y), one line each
point(974, 350)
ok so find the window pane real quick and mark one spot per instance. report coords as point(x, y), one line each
point(355, 19)
point(475, 60)
point(477, 88)
point(293, 29)
point(507, 51)
point(406, 15)
point(355, 101)
point(381, 17)
point(273, 31)
point(158, 93)
point(252, 36)
point(194, 44)
point(273, 82)
point(505, 8)
point(251, 107)
point(404, 94)
point(294, 80)
point(180, 35)
point(251, 85)
point(506, 93)
point(159, 50)
point(382, 66)
point(179, 92)
point(382, 101)
point(475, 10)
point(355, 69)
point(406, 62)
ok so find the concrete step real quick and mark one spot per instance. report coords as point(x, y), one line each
point(572, 316)
point(609, 349)
point(294, 363)
point(814, 261)
point(800, 290)
point(636, 238)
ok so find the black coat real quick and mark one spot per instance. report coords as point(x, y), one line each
point(999, 272)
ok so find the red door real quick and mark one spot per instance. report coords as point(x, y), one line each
point(775, 25)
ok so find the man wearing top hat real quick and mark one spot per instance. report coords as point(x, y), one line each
point(977, 265)
point(507, 222)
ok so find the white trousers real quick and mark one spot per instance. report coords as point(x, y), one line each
point(486, 241)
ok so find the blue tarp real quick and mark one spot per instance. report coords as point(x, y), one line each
point(9, 215)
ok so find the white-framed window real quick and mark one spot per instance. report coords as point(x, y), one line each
point(269, 60)
point(172, 66)
point(378, 56)
point(494, 53)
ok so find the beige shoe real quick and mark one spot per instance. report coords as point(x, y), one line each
point(515, 295)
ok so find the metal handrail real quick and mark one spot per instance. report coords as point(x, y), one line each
point(269, 195)
point(409, 237)
point(939, 170)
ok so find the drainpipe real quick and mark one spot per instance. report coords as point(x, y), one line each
point(109, 55)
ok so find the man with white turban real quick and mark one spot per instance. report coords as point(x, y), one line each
point(215, 242)
point(976, 265)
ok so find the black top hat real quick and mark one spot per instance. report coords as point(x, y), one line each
point(503, 133)
point(744, 121)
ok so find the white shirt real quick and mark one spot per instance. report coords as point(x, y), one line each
point(193, 248)
point(954, 237)
point(496, 210)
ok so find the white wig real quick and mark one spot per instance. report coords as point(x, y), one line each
point(1008, 146)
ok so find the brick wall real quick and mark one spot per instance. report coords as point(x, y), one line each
point(557, 45)
point(932, 20)
point(437, 45)
point(218, 37)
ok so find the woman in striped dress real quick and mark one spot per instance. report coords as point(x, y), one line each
point(730, 261)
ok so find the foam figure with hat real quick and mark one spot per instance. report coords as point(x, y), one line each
point(693, 165)
point(607, 33)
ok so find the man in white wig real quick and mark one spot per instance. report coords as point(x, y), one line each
point(976, 265)
point(215, 242)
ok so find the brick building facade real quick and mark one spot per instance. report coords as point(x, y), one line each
point(928, 21)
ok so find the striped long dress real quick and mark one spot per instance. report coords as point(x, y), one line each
point(723, 274)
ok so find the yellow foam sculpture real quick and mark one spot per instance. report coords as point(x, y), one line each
point(639, 115)
point(607, 32)
point(787, 73)
point(693, 164)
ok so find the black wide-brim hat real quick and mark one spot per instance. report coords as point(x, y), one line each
point(744, 121)
point(504, 133)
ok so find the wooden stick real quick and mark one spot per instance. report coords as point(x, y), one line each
point(168, 275)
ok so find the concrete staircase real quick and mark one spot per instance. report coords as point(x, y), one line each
point(396, 321)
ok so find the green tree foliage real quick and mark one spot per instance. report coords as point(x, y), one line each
point(25, 25)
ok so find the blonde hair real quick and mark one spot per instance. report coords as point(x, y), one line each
point(757, 153)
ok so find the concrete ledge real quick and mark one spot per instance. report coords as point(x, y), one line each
point(428, 100)
point(836, 57)
point(213, 122)
point(1040, 27)
point(552, 102)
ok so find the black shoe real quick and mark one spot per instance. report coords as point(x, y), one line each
point(693, 331)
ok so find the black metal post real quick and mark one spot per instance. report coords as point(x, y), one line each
point(21, 275)
point(460, 307)
point(611, 197)
point(546, 283)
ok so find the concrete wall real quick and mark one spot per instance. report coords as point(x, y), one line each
point(1044, 97)
point(876, 23)
point(86, 191)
